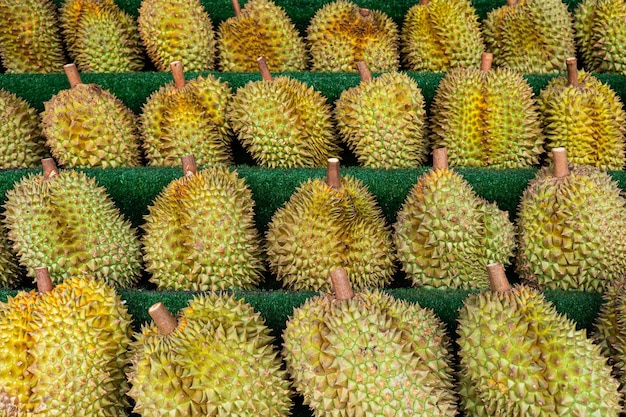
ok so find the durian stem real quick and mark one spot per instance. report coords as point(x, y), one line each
point(511, 2)
point(42, 277)
point(49, 168)
point(72, 74)
point(265, 71)
point(497, 278)
point(440, 158)
point(424, 2)
point(236, 7)
point(164, 320)
point(364, 12)
point(559, 156)
point(341, 284)
point(178, 74)
point(333, 177)
point(189, 165)
point(572, 72)
point(486, 59)
point(364, 71)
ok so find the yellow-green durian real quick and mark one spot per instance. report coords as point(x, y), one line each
point(438, 35)
point(261, 28)
point(10, 272)
point(341, 34)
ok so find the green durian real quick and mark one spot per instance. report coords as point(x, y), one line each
point(10, 272)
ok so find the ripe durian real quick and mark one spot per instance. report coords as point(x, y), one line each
point(341, 34)
point(438, 35)
point(445, 234)
point(87, 126)
point(66, 221)
point(177, 30)
point(486, 118)
point(368, 354)
point(10, 272)
point(530, 36)
point(217, 359)
point(383, 120)
point(586, 117)
point(571, 226)
point(519, 357)
point(199, 233)
point(327, 225)
point(261, 29)
point(29, 39)
point(282, 122)
point(187, 118)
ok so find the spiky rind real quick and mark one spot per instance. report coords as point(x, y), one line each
point(10, 272)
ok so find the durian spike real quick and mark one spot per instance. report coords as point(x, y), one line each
point(440, 158)
point(189, 165)
point(497, 278)
point(364, 71)
point(72, 74)
point(486, 59)
point(572, 71)
point(42, 277)
point(178, 74)
point(559, 156)
point(333, 177)
point(236, 7)
point(49, 168)
point(265, 71)
point(164, 320)
point(364, 12)
point(341, 284)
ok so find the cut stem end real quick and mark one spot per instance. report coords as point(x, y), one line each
point(44, 282)
point(486, 60)
point(364, 71)
point(164, 320)
point(178, 73)
point(72, 74)
point(49, 168)
point(189, 165)
point(265, 71)
point(497, 278)
point(572, 71)
point(559, 156)
point(341, 284)
point(333, 177)
point(440, 158)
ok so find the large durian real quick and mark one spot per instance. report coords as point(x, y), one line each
point(261, 29)
point(586, 117)
point(341, 34)
point(519, 357)
point(445, 234)
point(368, 354)
point(327, 225)
point(217, 359)
point(438, 35)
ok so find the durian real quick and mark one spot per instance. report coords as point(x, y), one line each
point(340, 34)
point(327, 225)
point(383, 120)
point(187, 118)
point(261, 29)
point(10, 272)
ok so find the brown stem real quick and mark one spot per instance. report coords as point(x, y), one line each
point(189, 165)
point(341, 284)
point(364, 12)
point(265, 71)
point(236, 7)
point(49, 168)
point(72, 74)
point(486, 59)
point(164, 320)
point(511, 2)
point(572, 71)
point(559, 155)
point(497, 278)
point(178, 73)
point(440, 158)
point(42, 277)
point(364, 71)
point(424, 2)
point(333, 177)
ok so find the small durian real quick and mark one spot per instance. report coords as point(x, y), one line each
point(486, 118)
point(341, 34)
point(586, 117)
point(368, 354)
point(445, 234)
point(327, 225)
point(383, 120)
point(438, 35)
point(520, 357)
point(282, 122)
point(183, 118)
point(261, 29)
point(199, 233)
point(87, 126)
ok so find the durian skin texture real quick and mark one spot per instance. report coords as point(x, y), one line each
point(520, 357)
point(370, 355)
point(262, 29)
point(200, 235)
point(10, 272)
point(339, 37)
point(70, 224)
point(445, 235)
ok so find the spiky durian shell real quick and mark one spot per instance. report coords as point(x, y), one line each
point(338, 37)
point(87, 126)
point(587, 120)
point(10, 272)
point(321, 228)
point(177, 30)
point(29, 39)
point(283, 123)
point(370, 355)
point(441, 35)
point(262, 29)
point(520, 357)
point(532, 36)
point(383, 122)
point(200, 234)
point(571, 230)
point(69, 224)
point(446, 235)
point(486, 119)
point(218, 361)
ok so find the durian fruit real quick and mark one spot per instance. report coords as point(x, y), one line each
point(21, 142)
point(327, 225)
point(571, 228)
point(368, 354)
point(100, 37)
point(177, 30)
point(199, 233)
point(486, 118)
point(586, 117)
point(282, 122)
point(187, 118)
point(519, 357)
point(383, 120)
point(66, 221)
point(445, 234)
point(30, 39)
point(87, 126)
point(261, 29)
point(530, 36)
point(438, 35)
point(10, 272)
point(216, 359)
point(340, 34)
